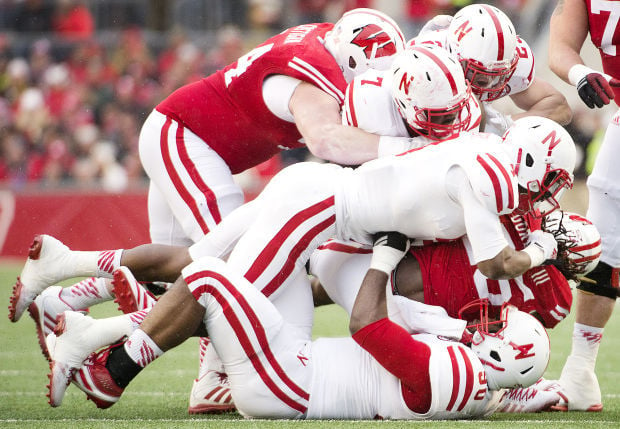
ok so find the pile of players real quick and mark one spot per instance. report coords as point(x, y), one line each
point(446, 246)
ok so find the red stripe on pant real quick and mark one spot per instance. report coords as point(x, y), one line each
point(242, 336)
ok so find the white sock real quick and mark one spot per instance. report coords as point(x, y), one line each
point(109, 330)
point(141, 348)
point(586, 341)
point(136, 318)
point(88, 292)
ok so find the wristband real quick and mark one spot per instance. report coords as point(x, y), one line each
point(578, 72)
point(385, 259)
point(536, 254)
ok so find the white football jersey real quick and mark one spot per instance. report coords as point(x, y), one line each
point(369, 105)
point(347, 382)
point(522, 77)
point(412, 193)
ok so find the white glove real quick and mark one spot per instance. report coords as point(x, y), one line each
point(496, 122)
point(388, 249)
point(438, 22)
point(542, 246)
point(541, 396)
point(389, 145)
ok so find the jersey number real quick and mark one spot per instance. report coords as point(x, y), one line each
point(613, 8)
point(246, 61)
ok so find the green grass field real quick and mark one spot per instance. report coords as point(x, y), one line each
point(158, 396)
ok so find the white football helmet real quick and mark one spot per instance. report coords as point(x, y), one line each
point(430, 91)
point(485, 41)
point(581, 236)
point(364, 39)
point(543, 157)
point(517, 353)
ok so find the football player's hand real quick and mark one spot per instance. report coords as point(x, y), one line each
point(542, 247)
point(595, 90)
point(388, 249)
point(495, 121)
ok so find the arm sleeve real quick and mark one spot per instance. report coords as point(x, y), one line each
point(220, 241)
point(403, 356)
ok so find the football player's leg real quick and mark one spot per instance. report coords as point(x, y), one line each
point(264, 357)
point(596, 301)
point(194, 180)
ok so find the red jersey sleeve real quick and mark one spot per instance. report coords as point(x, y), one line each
point(404, 357)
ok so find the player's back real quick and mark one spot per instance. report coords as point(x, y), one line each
point(227, 110)
point(410, 193)
point(348, 383)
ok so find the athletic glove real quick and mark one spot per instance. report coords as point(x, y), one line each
point(542, 246)
point(388, 249)
point(496, 122)
point(541, 396)
point(594, 88)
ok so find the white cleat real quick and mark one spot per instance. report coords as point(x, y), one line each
point(211, 394)
point(45, 311)
point(69, 345)
point(43, 268)
point(580, 384)
point(541, 396)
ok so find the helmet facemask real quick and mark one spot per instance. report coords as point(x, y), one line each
point(542, 200)
point(488, 83)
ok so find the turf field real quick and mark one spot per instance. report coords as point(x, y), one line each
point(158, 396)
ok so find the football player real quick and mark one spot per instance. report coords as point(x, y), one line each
point(276, 371)
point(497, 63)
point(571, 22)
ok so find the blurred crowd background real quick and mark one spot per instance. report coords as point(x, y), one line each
point(77, 78)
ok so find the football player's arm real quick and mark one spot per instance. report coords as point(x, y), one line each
point(318, 119)
point(542, 99)
point(568, 31)
point(389, 344)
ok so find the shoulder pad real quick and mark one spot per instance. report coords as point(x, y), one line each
point(524, 73)
point(494, 182)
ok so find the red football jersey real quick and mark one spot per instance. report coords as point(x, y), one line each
point(227, 110)
point(603, 17)
point(451, 282)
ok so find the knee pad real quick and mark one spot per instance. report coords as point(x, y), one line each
point(604, 281)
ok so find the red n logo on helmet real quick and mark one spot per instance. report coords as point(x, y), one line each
point(555, 140)
point(371, 34)
point(405, 81)
point(462, 30)
point(524, 350)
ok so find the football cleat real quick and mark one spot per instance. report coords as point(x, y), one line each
point(540, 396)
point(130, 295)
point(211, 394)
point(580, 384)
point(43, 268)
point(45, 311)
point(68, 346)
point(94, 379)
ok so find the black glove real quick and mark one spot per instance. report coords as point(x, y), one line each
point(594, 89)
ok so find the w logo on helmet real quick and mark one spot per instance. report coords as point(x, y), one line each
point(371, 34)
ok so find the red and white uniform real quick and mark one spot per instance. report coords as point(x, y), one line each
point(206, 131)
point(369, 105)
point(521, 79)
point(451, 280)
point(441, 191)
point(604, 182)
point(276, 372)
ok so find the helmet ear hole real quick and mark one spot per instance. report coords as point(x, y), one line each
point(495, 355)
point(525, 371)
point(529, 160)
point(352, 63)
